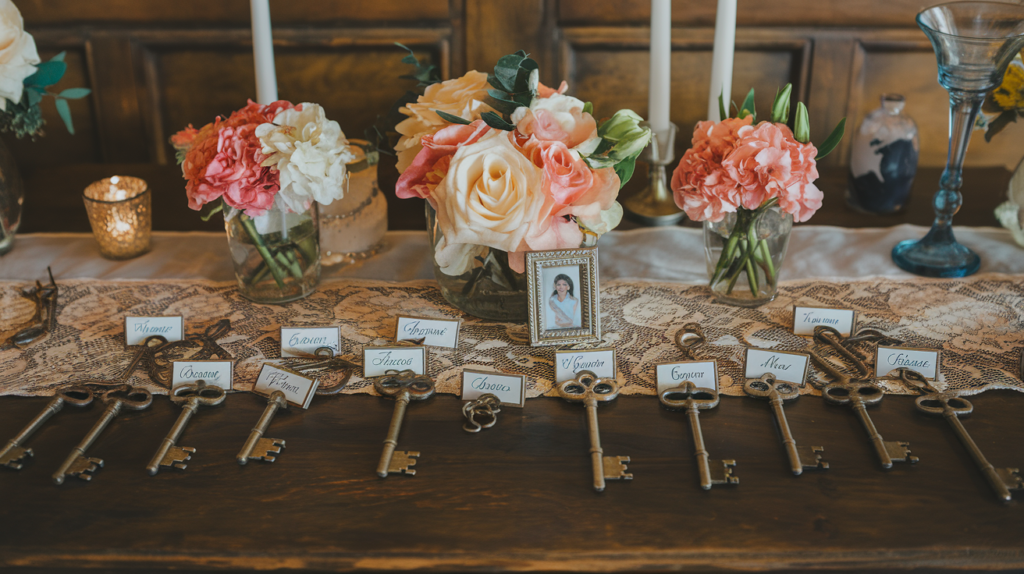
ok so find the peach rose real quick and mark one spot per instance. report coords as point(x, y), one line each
point(556, 118)
point(566, 176)
point(461, 97)
point(491, 196)
point(419, 179)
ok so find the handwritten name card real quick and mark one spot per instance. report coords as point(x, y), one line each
point(805, 319)
point(304, 341)
point(298, 389)
point(785, 365)
point(136, 329)
point(435, 332)
point(601, 362)
point(215, 373)
point(510, 389)
point(924, 361)
point(701, 373)
point(377, 361)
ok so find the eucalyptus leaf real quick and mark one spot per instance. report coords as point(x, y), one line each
point(802, 125)
point(780, 107)
point(502, 105)
point(747, 109)
point(33, 95)
point(75, 93)
point(47, 74)
point(495, 121)
point(832, 140)
point(65, 113)
point(59, 57)
point(452, 118)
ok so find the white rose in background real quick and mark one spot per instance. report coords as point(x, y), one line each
point(310, 152)
point(18, 55)
point(1011, 213)
point(491, 196)
point(462, 97)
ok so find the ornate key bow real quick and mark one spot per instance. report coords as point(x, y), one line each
point(488, 406)
point(693, 399)
point(689, 396)
point(768, 387)
point(394, 383)
point(854, 392)
point(198, 393)
point(589, 389)
point(403, 386)
point(190, 396)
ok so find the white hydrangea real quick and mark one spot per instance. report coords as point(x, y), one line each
point(310, 152)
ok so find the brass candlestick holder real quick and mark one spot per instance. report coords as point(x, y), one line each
point(654, 205)
point(120, 214)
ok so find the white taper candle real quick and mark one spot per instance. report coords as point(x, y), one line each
point(263, 52)
point(722, 57)
point(660, 90)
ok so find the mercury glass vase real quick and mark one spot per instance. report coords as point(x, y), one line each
point(276, 255)
point(973, 42)
point(744, 254)
point(352, 228)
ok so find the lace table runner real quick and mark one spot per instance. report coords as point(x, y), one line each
point(977, 322)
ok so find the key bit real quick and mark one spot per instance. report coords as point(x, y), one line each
point(84, 466)
point(810, 457)
point(721, 472)
point(899, 451)
point(12, 456)
point(176, 457)
point(615, 468)
point(264, 448)
point(1011, 478)
point(401, 461)
point(270, 447)
point(190, 396)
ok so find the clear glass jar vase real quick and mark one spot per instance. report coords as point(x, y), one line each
point(489, 288)
point(276, 255)
point(744, 254)
point(883, 162)
point(12, 195)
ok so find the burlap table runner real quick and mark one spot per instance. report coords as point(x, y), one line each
point(977, 322)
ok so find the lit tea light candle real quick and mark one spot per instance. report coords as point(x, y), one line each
point(120, 214)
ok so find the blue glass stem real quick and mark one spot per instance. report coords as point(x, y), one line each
point(963, 110)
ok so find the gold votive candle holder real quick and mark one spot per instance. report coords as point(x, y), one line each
point(121, 215)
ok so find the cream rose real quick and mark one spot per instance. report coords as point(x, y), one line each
point(461, 97)
point(18, 54)
point(491, 196)
point(558, 118)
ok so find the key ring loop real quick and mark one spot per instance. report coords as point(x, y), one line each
point(487, 405)
point(689, 395)
point(199, 392)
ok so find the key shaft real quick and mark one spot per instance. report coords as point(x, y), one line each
point(391, 442)
point(596, 452)
point(699, 451)
point(276, 400)
point(876, 439)
point(51, 408)
point(109, 414)
point(787, 436)
point(187, 410)
point(983, 464)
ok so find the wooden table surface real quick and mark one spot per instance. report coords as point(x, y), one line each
point(517, 496)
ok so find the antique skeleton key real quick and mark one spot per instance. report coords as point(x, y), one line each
point(777, 393)
point(860, 395)
point(694, 399)
point(588, 389)
point(117, 399)
point(265, 448)
point(13, 453)
point(190, 396)
point(951, 408)
point(403, 386)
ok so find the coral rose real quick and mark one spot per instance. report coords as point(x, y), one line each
point(419, 179)
point(566, 176)
point(462, 97)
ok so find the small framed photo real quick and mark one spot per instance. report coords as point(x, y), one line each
point(564, 302)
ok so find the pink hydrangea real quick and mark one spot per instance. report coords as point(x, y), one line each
point(236, 174)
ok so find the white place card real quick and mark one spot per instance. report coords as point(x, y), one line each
point(136, 329)
point(304, 341)
point(601, 362)
point(510, 389)
point(298, 389)
point(785, 365)
point(805, 319)
point(701, 373)
point(377, 361)
point(435, 332)
point(215, 373)
point(924, 361)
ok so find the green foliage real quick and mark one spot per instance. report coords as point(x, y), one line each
point(747, 109)
point(24, 118)
point(832, 140)
point(497, 122)
point(425, 75)
point(780, 107)
point(514, 80)
point(214, 209)
point(382, 134)
point(802, 126)
point(622, 140)
point(722, 112)
point(451, 118)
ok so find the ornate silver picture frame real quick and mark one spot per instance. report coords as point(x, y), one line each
point(563, 297)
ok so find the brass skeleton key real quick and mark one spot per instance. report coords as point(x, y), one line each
point(777, 393)
point(265, 448)
point(117, 399)
point(190, 396)
point(694, 399)
point(588, 389)
point(403, 386)
point(951, 408)
point(860, 395)
point(13, 453)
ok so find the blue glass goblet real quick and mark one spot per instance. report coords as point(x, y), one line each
point(973, 42)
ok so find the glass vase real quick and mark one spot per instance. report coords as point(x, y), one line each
point(486, 287)
point(276, 255)
point(744, 254)
point(974, 43)
point(884, 159)
point(12, 195)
